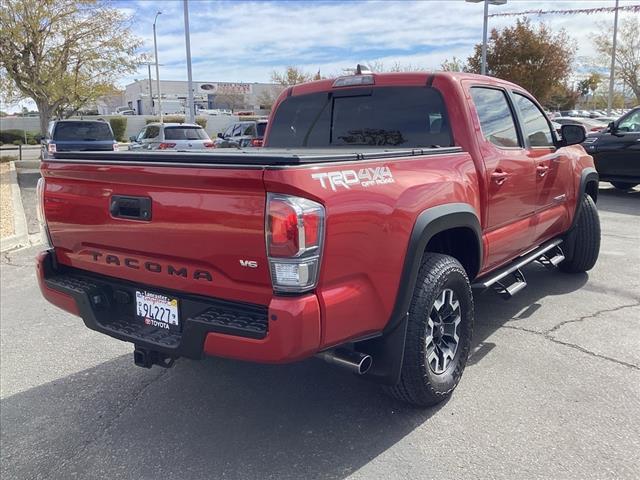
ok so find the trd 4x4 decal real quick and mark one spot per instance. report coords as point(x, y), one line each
point(365, 177)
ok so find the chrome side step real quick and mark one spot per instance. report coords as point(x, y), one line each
point(548, 254)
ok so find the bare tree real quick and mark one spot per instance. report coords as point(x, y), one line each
point(627, 62)
point(234, 101)
point(63, 54)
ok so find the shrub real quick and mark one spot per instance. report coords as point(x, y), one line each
point(167, 119)
point(16, 137)
point(119, 127)
point(202, 121)
point(12, 136)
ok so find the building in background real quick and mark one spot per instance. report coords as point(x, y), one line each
point(207, 96)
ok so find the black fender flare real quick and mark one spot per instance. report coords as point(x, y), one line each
point(588, 176)
point(387, 350)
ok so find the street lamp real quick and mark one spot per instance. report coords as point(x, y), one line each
point(190, 109)
point(483, 67)
point(613, 63)
point(155, 48)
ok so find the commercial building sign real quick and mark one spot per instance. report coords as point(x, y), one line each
point(227, 88)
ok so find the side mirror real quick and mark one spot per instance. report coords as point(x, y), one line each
point(611, 127)
point(132, 138)
point(572, 134)
point(220, 135)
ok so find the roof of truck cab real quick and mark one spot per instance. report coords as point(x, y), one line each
point(401, 79)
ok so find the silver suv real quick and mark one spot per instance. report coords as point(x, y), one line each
point(172, 137)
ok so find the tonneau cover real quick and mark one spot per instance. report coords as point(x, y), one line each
point(250, 157)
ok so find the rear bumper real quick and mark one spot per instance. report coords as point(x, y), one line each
point(287, 330)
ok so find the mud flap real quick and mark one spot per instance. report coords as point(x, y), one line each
point(387, 352)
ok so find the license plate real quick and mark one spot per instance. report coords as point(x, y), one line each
point(157, 310)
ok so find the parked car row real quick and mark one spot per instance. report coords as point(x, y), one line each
point(588, 113)
point(616, 151)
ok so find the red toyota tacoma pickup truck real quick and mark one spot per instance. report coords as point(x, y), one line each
point(357, 235)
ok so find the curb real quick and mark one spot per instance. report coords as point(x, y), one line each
point(27, 163)
point(20, 238)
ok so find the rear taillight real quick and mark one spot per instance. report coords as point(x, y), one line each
point(209, 145)
point(166, 146)
point(42, 220)
point(115, 147)
point(256, 142)
point(51, 148)
point(295, 234)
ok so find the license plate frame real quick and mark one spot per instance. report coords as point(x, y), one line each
point(157, 310)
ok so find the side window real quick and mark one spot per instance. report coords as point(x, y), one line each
point(534, 124)
point(496, 119)
point(631, 123)
point(249, 130)
point(227, 132)
point(50, 130)
point(237, 130)
point(141, 135)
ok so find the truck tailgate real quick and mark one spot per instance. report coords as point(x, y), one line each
point(205, 234)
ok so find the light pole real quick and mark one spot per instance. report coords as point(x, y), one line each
point(483, 67)
point(155, 48)
point(613, 61)
point(190, 115)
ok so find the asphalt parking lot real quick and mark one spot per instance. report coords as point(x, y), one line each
point(552, 390)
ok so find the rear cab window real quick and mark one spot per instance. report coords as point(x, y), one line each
point(185, 133)
point(82, 131)
point(368, 117)
point(261, 127)
point(496, 118)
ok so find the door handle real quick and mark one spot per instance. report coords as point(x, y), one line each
point(542, 170)
point(132, 208)
point(499, 177)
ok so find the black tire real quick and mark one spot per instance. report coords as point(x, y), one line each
point(419, 384)
point(623, 185)
point(582, 245)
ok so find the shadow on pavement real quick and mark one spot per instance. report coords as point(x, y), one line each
point(209, 419)
point(492, 311)
point(219, 418)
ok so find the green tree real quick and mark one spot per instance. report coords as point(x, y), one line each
point(590, 84)
point(562, 97)
point(537, 59)
point(627, 63)
point(63, 54)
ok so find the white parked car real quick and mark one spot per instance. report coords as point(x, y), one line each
point(181, 137)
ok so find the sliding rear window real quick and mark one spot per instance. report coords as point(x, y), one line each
point(374, 117)
point(185, 133)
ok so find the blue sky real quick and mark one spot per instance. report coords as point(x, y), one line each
point(246, 41)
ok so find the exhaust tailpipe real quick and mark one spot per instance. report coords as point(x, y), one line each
point(358, 363)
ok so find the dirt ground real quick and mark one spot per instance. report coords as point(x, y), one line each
point(6, 204)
